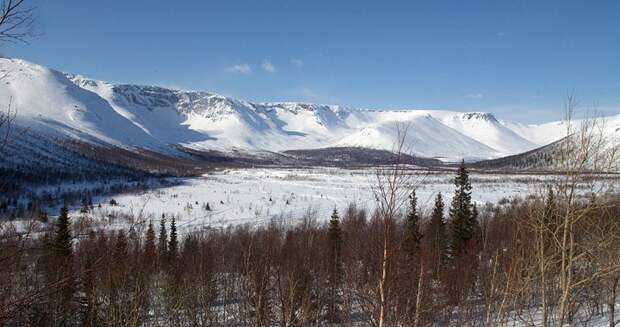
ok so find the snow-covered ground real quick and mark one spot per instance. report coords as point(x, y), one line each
point(259, 195)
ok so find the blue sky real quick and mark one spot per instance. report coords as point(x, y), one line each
point(517, 59)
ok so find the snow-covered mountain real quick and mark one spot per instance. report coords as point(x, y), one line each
point(156, 118)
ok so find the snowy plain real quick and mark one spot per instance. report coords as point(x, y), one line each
point(260, 195)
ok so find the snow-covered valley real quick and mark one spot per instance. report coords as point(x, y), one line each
point(309, 163)
point(258, 196)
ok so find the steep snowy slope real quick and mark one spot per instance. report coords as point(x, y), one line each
point(540, 134)
point(47, 101)
point(424, 134)
point(549, 132)
point(484, 126)
point(157, 118)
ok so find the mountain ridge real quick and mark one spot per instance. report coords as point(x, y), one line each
point(161, 119)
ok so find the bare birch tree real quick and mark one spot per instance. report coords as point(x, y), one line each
point(585, 151)
point(393, 185)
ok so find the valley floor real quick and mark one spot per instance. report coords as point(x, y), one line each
point(259, 195)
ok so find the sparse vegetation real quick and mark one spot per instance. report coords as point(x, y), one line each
point(291, 273)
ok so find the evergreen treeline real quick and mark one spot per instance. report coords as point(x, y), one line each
point(17, 204)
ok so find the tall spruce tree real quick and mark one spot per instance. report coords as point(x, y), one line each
point(173, 245)
point(63, 246)
point(85, 207)
point(121, 250)
point(412, 235)
point(149, 248)
point(162, 246)
point(436, 235)
point(461, 213)
point(90, 201)
point(43, 216)
point(63, 266)
point(335, 269)
point(410, 247)
point(473, 221)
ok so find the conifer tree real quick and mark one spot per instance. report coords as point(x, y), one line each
point(412, 236)
point(436, 235)
point(85, 208)
point(173, 245)
point(63, 258)
point(461, 213)
point(43, 216)
point(473, 222)
point(87, 203)
point(121, 252)
point(410, 247)
point(149, 248)
point(163, 240)
point(120, 288)
point(134, 241)
point(63, 246)
point(335, 268)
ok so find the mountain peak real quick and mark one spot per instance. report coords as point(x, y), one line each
point(486, 116)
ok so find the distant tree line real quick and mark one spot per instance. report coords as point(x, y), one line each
point(18, 204)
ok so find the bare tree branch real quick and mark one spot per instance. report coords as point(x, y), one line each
point(16, 21)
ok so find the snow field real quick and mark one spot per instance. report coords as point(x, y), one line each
point(257, 196)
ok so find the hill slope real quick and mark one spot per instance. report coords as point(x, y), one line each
point(162, 120)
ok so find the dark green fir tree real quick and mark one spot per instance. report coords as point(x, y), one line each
point(461, 213)
point(412, 235)
point(334, 313)
point(436, 236)
point(173, 245)
point(162, 246)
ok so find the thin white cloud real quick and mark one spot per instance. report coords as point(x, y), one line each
point(297, 62)
point(239, 69)
point(309, 93)
point(175, 87)
point(474, 96)
point(268, 66)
